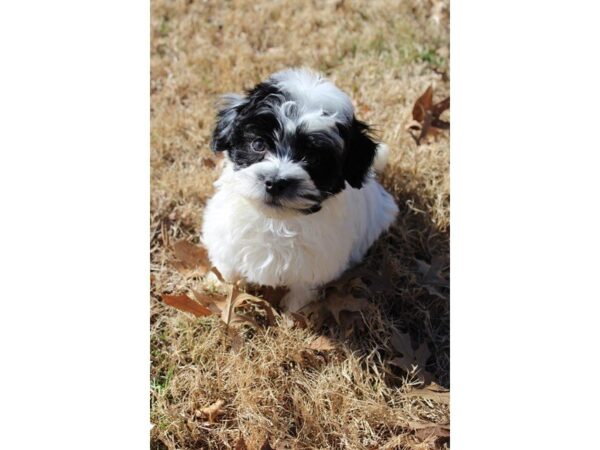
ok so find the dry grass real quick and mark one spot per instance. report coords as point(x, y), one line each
point(384, 54)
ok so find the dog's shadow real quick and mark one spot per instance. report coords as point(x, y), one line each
point(414, 310)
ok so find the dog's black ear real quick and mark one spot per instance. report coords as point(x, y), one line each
point(360, 152)
point(228, 111)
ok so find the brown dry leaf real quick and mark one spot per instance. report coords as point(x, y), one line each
point(345, 308)
point(260, 303)
point(336, 303)
point(433, 392)
point(310, 359)
point(214, 303)
point(424, 425)
point(314, 314)
point(427, 115)
point(363, 108)
point(213, 411)
point(401, 342)
point(298, 320)
point(190, 257)
point(422, 105)
point(229, 304)
point(322, 343)
point(434, 435)
point(434, 430)
point(351, 322)
point(208, 163)
point(360, 278)
point(432, 275)
point(266, 445)
point(225, 307)
point(273, 294)
point(437, 110)
point(240, 444)
point(184, 303)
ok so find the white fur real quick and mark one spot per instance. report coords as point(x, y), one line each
point(381, 158)
point(318, 98)
point(299, 251)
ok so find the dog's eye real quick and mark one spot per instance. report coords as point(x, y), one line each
point(258, 145)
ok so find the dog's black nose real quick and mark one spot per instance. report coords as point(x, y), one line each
point(276, 186)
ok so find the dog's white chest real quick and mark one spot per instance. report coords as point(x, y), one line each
point(241, 242)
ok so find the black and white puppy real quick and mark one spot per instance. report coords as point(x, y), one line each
point(297, 203)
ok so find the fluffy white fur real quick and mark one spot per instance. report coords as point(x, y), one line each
point(301, 252)
point(314, 93)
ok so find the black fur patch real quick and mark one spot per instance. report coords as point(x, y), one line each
point(360, 152)
point(329, 160)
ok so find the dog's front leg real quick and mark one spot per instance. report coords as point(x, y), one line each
point(298, 297)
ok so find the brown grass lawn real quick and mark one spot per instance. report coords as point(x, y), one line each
point(384, 54)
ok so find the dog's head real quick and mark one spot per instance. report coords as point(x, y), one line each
point(293, 141)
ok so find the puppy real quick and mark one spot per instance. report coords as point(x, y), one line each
point(296, 203)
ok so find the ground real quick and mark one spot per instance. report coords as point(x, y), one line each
point(272, 385)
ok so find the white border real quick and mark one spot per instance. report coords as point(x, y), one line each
point(525, 226)
point(74, 180)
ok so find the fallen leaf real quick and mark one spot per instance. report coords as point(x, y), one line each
point(380, 283)
point(209, 163)
point(240, 444)
point(310, 359)
point(426, 114)
point(413, 425)
point(184, 303)
point(336, 303)
point(299, 320)
point(422, 105)
point(322, 343)
point(432, 275)
point(360, 278)
point(260, 303)
point(225, 307)
point(273, 294)
point(401, 343)
point(437, 110)
point(214, 303)
point(433, 392)
point(436, 430)
point(435, 435)
point(266, 445)
point(190, 257)
point(229, 304)
point(351, 322)
point(213, 411)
